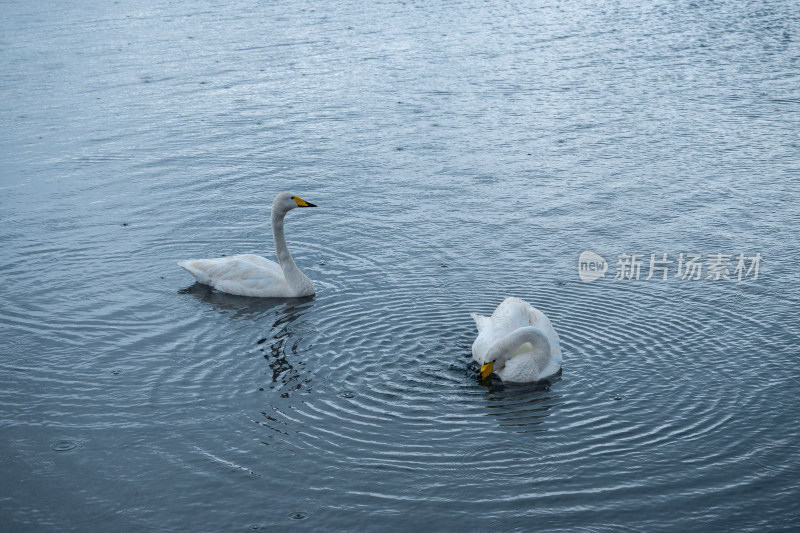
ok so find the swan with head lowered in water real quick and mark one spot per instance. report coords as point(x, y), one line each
point(253, 275)
point(517, 343)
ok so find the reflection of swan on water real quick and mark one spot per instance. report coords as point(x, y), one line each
point(282, 347)
point(517, 343)
point(253, 275)
point(236, 307)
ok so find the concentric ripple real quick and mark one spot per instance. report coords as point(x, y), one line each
point(379, 379)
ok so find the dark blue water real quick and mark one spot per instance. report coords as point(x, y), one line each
point(460, 153)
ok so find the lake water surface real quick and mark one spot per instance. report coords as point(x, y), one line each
point(459, 153)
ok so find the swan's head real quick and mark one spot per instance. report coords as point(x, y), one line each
point(286, 201)
point(525, 340)
point(495, 356)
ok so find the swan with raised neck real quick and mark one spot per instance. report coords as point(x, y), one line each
point(253, 275)
point(295, 279)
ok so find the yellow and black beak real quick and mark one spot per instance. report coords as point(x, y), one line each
point(486, 370)
point(302, 203)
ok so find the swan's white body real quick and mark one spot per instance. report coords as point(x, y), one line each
point(253, 275)
point(518, 343)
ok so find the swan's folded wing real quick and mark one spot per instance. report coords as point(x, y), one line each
point(481, 322)
point(258, 287)
point(234, 268)
point(261, 262)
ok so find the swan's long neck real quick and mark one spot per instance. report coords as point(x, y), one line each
point(294, 277)
point(517, 342)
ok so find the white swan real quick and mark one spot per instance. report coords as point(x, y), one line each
point(252, 275)
point(517, 343)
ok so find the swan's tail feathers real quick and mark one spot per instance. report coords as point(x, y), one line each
point(190, 267)
point(187, 266)
point(480, 321)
